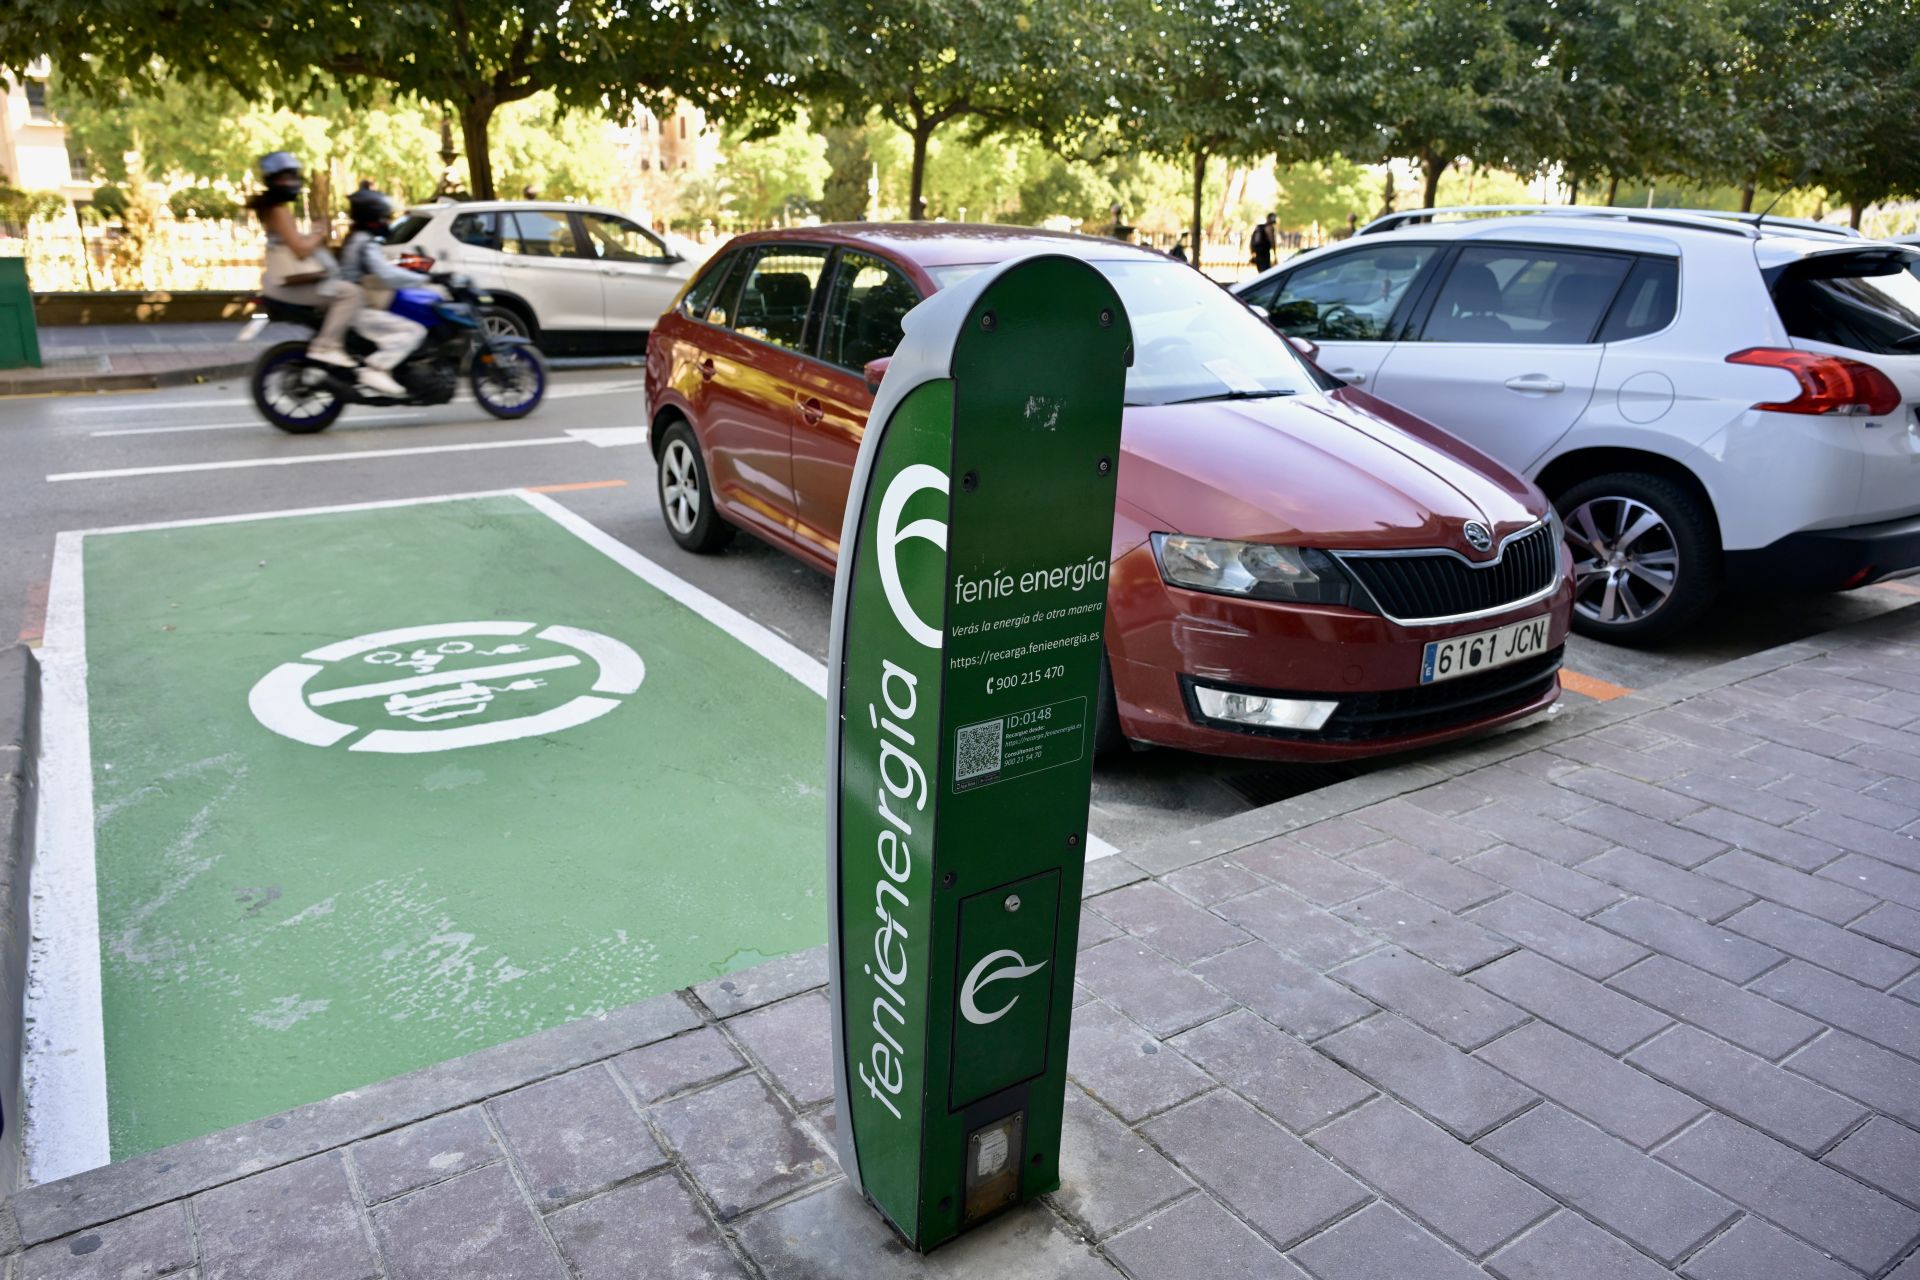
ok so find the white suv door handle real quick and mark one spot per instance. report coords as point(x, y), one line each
point(1352, 377)
point(1539, 383)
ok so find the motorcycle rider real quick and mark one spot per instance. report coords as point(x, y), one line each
point(362, 264)
point(299, 269)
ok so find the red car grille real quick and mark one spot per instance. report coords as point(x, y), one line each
point(1441, 585)
point(1397, 713)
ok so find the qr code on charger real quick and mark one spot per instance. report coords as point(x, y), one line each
point(976, 749)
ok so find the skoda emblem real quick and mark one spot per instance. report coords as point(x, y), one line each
point(1479, 537)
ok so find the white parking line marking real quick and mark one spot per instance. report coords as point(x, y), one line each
point(568, 392)
point(608, 437)
point(356, 455)
point(65, 1071)
point(255, 424)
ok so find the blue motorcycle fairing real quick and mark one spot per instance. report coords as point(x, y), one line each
point(422, 306)
point(457, 313)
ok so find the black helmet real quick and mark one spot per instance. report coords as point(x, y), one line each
point(369, 208)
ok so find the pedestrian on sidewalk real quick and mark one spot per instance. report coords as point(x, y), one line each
point(1262, 241)
point(299, 269)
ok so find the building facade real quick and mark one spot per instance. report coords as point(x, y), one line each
point(33, 142)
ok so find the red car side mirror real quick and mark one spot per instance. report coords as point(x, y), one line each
point(876, 369)
point(1305, 346)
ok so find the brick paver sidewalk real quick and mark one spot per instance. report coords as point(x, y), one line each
point(1628, 994)
point(123, 357)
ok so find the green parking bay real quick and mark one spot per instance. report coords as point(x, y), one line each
point(376, 788)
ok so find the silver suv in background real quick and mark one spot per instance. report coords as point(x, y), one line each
point(1711, 400)
point(574, 278)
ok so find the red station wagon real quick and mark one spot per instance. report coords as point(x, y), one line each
point(1300, 571)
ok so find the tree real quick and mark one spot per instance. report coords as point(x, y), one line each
point(472, 56)
point(1429, 80)
point(844, 196)
point(1206, 82)
point(995, 66)
point(1612, 93)
point(210, 134)
point(19, 208)
point(767, 178)
point(1856, 113)
point(1324, 192)
point(202, 202)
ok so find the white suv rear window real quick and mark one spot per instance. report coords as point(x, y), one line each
point(1867, 301)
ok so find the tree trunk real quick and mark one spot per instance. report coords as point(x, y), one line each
point(1573, 191)
point(1854, 211)
point(1746, 198)
point(475, 115)
point(1613, 188)
point(916, 202)
point(1432, 166)
point(1386, 194)
point(1199, 196)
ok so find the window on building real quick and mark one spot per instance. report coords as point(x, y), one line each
point(37, 100)
point(645, 164)
point(683, 126)
point(79, 165)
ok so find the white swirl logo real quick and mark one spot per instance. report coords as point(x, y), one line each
point(910, 481)
point(983, 974)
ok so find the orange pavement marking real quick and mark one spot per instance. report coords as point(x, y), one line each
point(583, 484)
point(1904, 588)
point(1597, 689)
point(33, 619)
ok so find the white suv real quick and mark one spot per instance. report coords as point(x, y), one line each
point(1710, 400)
point(569, 276)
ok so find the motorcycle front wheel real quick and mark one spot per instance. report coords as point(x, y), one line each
point(292, 392)
point(509, 381)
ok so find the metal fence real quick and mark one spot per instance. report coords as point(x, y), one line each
point(63, 257)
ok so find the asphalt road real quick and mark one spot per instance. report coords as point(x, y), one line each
point(110, 460)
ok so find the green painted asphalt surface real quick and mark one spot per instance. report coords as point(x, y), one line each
point(282, 920)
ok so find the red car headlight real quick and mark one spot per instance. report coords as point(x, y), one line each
point(1256, 570)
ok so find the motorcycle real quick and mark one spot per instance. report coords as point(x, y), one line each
point(298, 395)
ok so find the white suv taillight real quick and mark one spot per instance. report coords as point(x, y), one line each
point(1828, 384)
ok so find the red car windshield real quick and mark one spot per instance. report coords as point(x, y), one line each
point(1192, 340)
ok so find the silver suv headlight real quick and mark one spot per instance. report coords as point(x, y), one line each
point(1257, 570)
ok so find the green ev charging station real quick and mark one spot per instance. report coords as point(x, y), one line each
point(964, 676)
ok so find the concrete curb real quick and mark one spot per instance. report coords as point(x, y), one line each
point(1243, 829)
point(13, 384)
point(19, 786)
point(56, 1209)
point(70, 384)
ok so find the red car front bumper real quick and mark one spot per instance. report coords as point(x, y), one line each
point(1161, 639)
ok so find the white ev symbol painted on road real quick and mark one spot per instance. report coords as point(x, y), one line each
point(984, 973)
point(283, 702)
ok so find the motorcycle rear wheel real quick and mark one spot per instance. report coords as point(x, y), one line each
point(293, 393)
